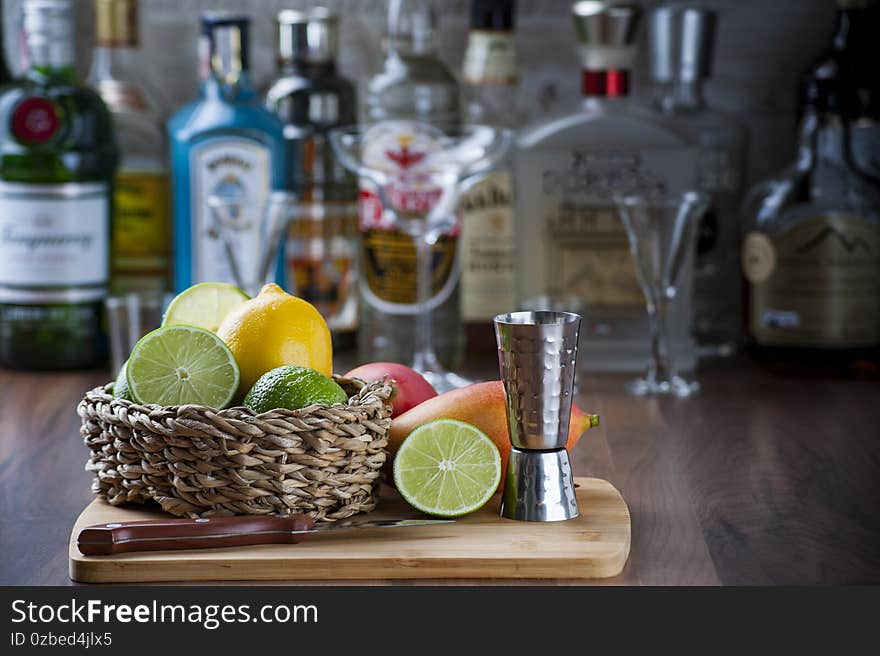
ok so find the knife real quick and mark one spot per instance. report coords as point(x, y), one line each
point(213, 532)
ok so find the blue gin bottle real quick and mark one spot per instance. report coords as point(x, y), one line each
point(224, 144)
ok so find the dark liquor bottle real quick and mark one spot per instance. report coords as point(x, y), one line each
point(57, 161)
point(5, 75)
point(311, 97)
point(851, 58)
point(812, 253)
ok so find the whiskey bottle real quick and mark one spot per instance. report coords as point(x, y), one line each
point(57, 162)
point(572, 249)
point(681, 39)
point(812, 253)
point(487, 245)
point(141, 248)
point(852, 54)
point(311, 97)
point(226, 143)
point(414, 84)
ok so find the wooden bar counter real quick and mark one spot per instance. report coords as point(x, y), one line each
point(761, 479)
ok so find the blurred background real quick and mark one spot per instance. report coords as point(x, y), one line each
point(761, 49)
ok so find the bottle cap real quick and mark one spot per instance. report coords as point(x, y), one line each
point(492, 15)
point(308, 36)
point(681, 39)
point(116, 23)
point(224, 45)
point(607, 33)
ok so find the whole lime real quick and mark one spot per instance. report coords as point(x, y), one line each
point(120, 387)
point(293, 387)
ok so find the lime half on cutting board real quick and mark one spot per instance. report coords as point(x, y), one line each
point(204, 305)
point(447, 468)
point(176, 365)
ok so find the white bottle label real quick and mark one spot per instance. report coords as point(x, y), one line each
point(490, 58)
point(231, 181)
point(53, 236)
point(488, 258)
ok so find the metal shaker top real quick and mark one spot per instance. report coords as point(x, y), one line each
point(537, 354)
point(607, 34)
point(681, 39)
point(605, 24)
point(308, 36)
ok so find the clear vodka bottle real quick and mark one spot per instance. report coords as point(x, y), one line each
point(414, 84)
point(572, 249)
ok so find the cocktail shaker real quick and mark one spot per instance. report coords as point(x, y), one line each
point(537, 355)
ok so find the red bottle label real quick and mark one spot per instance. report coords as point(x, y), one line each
point(35, 121)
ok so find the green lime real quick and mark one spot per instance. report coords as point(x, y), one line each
point(176, 365)
point(204, 305)
point(293, 387)
point(447, 468)
point(120, 387)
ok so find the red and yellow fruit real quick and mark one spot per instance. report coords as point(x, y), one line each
point(410, 388)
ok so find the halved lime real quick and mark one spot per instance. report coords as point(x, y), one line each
point(204, 305)
point(447, 468)
point(175, 365)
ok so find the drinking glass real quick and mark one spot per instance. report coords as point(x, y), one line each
point(130, 317)
point(251, 264)
point(419, 192)
point(661, 232)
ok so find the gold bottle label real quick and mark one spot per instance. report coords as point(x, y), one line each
point(588, 256)
point(390, 268)
point(141, 232)
point(815, 284)
point(487, 249)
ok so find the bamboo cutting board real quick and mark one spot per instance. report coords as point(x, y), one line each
point(481, 545)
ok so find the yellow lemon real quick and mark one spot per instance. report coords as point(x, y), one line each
point(275, 329)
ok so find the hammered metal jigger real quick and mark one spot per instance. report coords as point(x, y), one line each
point(537, 354)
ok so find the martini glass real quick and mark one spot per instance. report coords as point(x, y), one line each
point(251, 236)
point(661, 232)
point(419, 173)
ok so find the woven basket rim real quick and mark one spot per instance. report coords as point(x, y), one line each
point(325, 460)
point(381, 390)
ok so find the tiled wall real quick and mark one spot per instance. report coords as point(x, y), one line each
point(762, 47)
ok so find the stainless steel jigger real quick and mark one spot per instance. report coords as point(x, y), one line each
point(537, 354)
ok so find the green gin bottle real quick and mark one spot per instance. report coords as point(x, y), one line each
point(57, 161)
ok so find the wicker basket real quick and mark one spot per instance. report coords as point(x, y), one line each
point(195, 461)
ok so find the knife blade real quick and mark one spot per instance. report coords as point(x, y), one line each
point(215, 532)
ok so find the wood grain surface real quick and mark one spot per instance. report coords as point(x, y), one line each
point(761, 479)
point(482, 545)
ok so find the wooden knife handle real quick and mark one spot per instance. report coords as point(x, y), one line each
point(207, 533)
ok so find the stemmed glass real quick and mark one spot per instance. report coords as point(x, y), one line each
point(661, 232)
point(234, 224)
point(420, 173)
